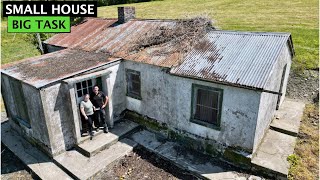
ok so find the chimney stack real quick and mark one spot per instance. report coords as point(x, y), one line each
point(125, 14)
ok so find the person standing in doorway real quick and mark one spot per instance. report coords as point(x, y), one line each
point(99, 101)
point(87, 110)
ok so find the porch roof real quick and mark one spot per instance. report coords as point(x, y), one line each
point(42, 70)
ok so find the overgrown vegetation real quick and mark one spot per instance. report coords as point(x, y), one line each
point(305, 160)
point(178, 38)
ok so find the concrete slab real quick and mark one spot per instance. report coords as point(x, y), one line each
point(82, 167)
point(273, 152)
point(287, 118)
point(199, 164)
point(40, 164)
point(104, 141)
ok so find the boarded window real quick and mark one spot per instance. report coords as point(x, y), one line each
point(84, 87)
point(207, 105)
point(133, 84)
point(20, 102)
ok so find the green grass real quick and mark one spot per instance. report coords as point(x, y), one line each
point(298, 17)
point(305, 160)
point(14, 46)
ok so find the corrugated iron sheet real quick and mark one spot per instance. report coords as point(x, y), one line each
point(106, 35)
point(240, 58)
point(42, 70)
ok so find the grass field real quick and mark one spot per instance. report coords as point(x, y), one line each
point(14, 46)
point(305, 161)
point(298, 17)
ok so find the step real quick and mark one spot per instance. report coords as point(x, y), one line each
point(288, 117)
point(81, 167)
point(272, 153)
point(39, 163)
point(105, 140)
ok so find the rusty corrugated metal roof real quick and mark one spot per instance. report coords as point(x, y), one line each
point(239, 58)
point(106, 35)
point(42, 70)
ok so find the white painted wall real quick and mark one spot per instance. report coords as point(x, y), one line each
point(167, 98)
point(268, 101)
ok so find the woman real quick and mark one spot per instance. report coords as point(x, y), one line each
point(87, 109)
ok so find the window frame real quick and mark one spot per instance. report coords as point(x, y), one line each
point(88, 88)
point(194, 94)
point(128, 93)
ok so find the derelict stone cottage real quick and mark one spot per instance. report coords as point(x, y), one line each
point(225, 89)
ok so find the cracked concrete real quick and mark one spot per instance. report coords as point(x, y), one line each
point(273, 152)
point(35, 160)
point(288, 117)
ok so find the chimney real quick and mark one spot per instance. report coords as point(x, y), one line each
point(125, 14)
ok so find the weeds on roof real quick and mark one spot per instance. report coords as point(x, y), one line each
point(179, 37)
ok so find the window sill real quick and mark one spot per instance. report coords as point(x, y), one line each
point(208, 125)
point(22, 122)
point(134, 96)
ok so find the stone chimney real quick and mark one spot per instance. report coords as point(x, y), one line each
point(125, 14)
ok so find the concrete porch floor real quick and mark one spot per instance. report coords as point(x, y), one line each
point(279, 141)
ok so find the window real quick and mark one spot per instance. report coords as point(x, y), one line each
point(20, 103)
point(84, 87)
point(133, 84)
point(206, 105)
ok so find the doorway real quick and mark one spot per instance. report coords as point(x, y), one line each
point(281, 86)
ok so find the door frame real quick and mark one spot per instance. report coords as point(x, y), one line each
point(104, 74)
point(284, 70)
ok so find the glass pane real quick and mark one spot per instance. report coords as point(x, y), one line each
point(89, 82)
point(85, 91)
point(136, 87)
point(79, 93)
point(84, 84)
point(78, 86)
point(207, 98)
point(135, 77)
point(206, 114)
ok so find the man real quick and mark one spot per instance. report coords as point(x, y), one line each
point(99, 101)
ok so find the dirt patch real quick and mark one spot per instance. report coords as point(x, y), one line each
point(304, 86)
point(142, 164)
point(11, 166)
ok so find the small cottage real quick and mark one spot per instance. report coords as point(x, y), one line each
point(225, 88)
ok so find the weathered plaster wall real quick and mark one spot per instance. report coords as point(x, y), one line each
point(286, 57)
point(7, 96)
point(59, 117)
point(115, 91)
point(37, 133)
point(268, 101)
point(39, 130)
point(167, 98)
